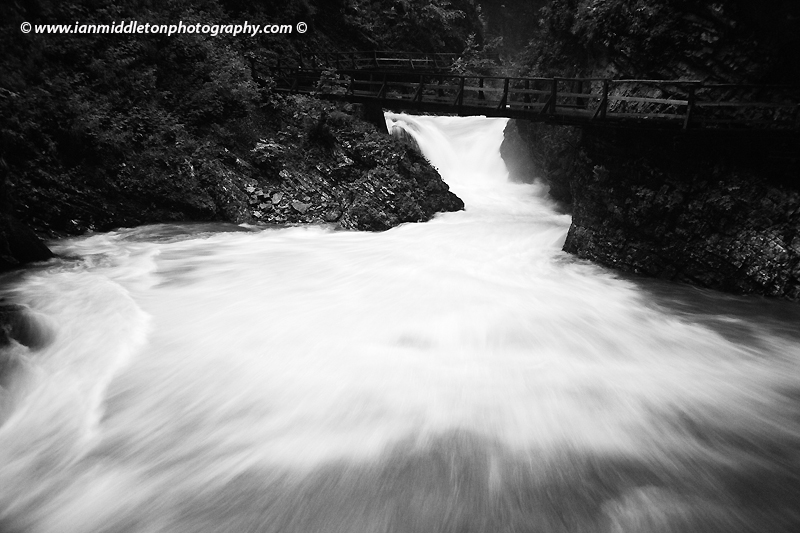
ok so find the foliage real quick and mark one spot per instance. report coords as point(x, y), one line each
point(114, 114)
point(479, 59)
point(319, 133)
point(101, 130)
point(331, 83)
point(726, 40)
point(416, 25)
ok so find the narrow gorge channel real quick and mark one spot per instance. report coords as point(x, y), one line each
point(462, 375)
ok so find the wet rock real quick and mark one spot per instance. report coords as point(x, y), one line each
point(20, 324)
point(664, 218)
point(266, 154)
point(517, 153)
point(332, 214)
point(19, 245)
point(280, 178)
point(364, 181)
point(403, 136)
point(712, 211)
point(535, 151)
point(300, 207)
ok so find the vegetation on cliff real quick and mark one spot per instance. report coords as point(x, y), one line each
point(717, 210)
point(728, 221)
point(412, 25)
point(107, 130)
point(721, 41)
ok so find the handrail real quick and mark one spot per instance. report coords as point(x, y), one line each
point(374, 59)
point(684, 104)
point(695, 83)
point(706, 84)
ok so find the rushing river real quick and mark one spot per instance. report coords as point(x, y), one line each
point(462, 375)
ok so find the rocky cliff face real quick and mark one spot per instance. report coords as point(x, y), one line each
point(318, 163)
point(537, 151)
point(720, 212)
point(101, 131)
point(315, 162)
point(717, 210)
point(326, 164)
point(18, 244)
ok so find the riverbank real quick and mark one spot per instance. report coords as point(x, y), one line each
point(101, 131)
point(713, 209)
point(717, 211)
point(315, 162)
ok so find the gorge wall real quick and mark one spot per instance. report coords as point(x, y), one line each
point(720, 211)
point(99, 131)
point(18, 243)
point(717, 210)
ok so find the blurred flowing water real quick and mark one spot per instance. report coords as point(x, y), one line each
point(462, 375)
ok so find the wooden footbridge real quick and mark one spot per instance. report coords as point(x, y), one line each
point(371, 60)
point(665, 104)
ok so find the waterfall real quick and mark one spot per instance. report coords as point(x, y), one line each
point(459, 375)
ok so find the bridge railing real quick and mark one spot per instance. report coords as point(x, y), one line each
point(705, 105)
point(362, 60)
point(688, 104)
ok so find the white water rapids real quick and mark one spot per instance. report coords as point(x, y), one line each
point(461, 375)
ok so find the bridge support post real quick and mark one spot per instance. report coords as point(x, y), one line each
point(579, 101)
point(373, 113)
point(504, 98)
point(689, 107)
point(382, 90)
point(602, 107)
point(460, 96)
point(419, 94)
point(527, 97)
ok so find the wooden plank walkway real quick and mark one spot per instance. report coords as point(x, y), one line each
point(669, 104)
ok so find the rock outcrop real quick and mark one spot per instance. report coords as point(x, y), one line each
point(533, 150)
point(18, 244)
point(327, 165)
point(718, 211)
point(315, 162)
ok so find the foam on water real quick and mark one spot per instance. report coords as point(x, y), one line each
point(459, 373)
